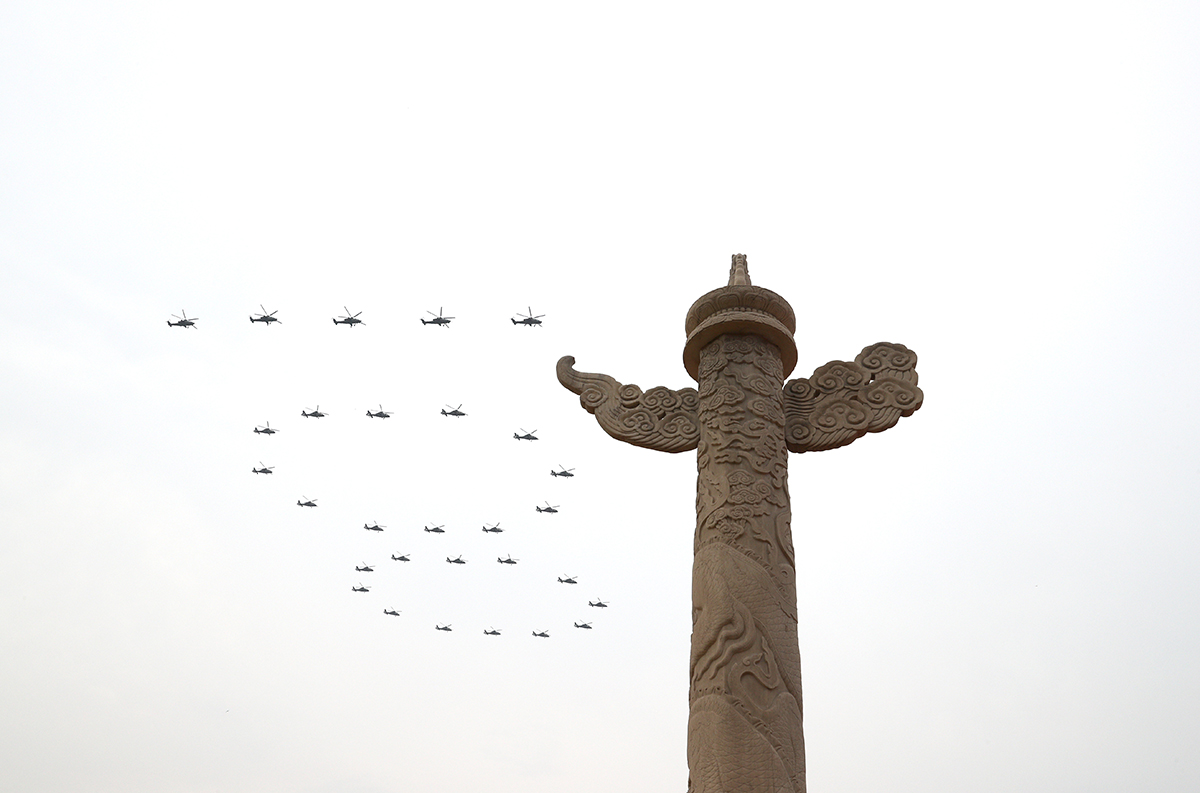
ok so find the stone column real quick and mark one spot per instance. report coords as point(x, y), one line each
point(745, 728)
point(745, 732)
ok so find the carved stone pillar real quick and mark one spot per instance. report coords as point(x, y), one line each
point(745, 730)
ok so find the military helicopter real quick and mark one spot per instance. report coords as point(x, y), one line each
point(264, 317)
point(366, 568)
point(564, 472)
point(453, 411)
point(586, 625)
point(261, 430)
point(434, 529)
point(491, 632)
point(600, 604)
point(349, 319)
point(442, 627)
point(374, 527)
point(551, 509)
point(509, 560)
point(569, 580)
point(306, 502)
point(401, 558)
point(382, 414)
point(528, 320)
point(315, 414)
point(360, 588)
point(458, 560)
point(528, 436)
point(184, 322)
point(263, 470)
point(542, 634)
point(493, 529)
point(392, 612)
point(438, 319)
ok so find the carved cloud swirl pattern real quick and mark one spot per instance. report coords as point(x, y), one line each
point(843, 401)
point(659, 419)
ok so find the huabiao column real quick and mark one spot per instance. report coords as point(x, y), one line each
point(745, 728)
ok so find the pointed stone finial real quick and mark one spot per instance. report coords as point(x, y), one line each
point(738, 274)
point(739, 307)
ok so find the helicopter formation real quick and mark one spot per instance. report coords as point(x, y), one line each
point(365, 567)
point(438, 319)
point(459, 560)
point(352, 320)
point(436, 528)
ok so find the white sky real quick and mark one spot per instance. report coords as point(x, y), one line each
point(998, 594)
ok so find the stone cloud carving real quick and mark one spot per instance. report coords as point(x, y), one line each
point(659, 419)
point(745, 729)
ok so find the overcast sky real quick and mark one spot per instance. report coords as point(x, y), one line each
point(997, 594)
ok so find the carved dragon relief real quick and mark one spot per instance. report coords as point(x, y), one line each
point(844, 401)
point(745, 726)
point(659, 419)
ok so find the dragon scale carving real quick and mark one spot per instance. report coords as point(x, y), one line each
point(745, 726)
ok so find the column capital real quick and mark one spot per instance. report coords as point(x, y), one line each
point(740, 307)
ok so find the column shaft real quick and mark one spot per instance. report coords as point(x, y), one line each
point(745, 729)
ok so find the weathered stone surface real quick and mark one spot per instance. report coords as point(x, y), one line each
point(659, 419)
point(844, 401)
point(745, 728)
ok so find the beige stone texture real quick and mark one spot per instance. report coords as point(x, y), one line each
point(745, 729)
